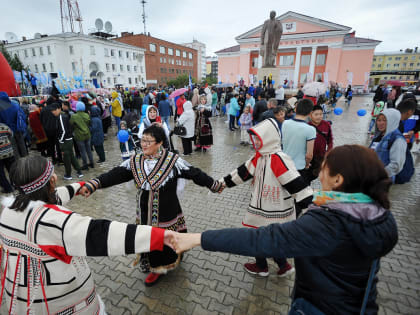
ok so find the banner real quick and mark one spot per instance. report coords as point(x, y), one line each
point(251, 79)
point(349, 78)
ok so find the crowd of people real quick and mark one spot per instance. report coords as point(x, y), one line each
point(336, 235)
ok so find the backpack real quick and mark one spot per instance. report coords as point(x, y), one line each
point(21, 121)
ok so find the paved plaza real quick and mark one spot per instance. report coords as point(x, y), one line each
point(216, 283)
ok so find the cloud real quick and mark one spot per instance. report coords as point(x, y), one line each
point(218, 22)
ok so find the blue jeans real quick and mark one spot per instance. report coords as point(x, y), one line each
point(301, 306)
point(117, 121)
point(85, 149)
point(231, 122)
point(166, 120)
point(372, 123)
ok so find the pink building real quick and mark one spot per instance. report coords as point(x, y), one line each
point(310, 49)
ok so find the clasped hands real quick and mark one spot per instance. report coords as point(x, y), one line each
point(181, 242)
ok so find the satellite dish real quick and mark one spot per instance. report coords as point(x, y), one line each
point(108, 26)
point(11, 37)
point(99, 24)
point(37, 35)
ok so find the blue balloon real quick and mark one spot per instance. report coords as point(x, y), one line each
point(361, 112)
point(272, 82)
point(220, 82)
point(338, 111)
point(123, 136)
point(260, 81)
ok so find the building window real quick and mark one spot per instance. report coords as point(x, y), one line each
point(120, 53)
point(107, 67)
point(106, 52)
point(170, 51)
point(184, 54)
point(303, 77)
point(304, 61)
point(92, 50)
point(108, 80)
point(136, 80)
point(134, 56)
point(396, 65)
point(112, 52)
point(36, 68)
point(318, 76)
point(397, 58)
point(379, 65)
point(374, 59)
point(141, 69)
point(73, 66)
point(48, 50)
point(164, 60)
point(411, 64)
point(41, 51)
point(387, 65)
point(389, 58)
point(161, 59)
point(177, 53)
point(413, 57)
point(26, 53)
point(127, 55)
point(51, 67)
point(129, 80)
point(44, 68)
point(128, 68)
point(33, 52)
point(161, 49)
point(189, 55)
point(121, 68)
point(418, 64)
point(114, 67)
point(373, 65)
point(135, 68)
point(71, 50)
point(115, 80)
point(320, 60)
point(404, 65)
point(287, 60)
point(380, 59)
point(152, 47)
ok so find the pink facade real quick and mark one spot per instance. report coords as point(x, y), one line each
point(310, 49)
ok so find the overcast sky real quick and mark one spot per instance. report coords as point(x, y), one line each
point(216, 23)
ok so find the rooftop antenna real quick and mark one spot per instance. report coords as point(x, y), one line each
point(143, 2)
point(70, 14)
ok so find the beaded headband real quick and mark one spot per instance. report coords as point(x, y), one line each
point(41, 181)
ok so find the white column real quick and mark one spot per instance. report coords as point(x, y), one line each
point(297, 67)
point(259, 62)
point(312, 65)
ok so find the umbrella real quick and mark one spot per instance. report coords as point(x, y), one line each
point(395, 83)
point(224, 85)
point(178, 92)
point(314, 89)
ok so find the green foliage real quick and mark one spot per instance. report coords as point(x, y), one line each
point(181, 81)
point(14, 61)
point(209, 80)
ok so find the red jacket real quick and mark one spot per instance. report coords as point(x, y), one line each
point(324, 138)
point(179, 106)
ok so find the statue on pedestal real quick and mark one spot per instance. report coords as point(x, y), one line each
point(270, 39)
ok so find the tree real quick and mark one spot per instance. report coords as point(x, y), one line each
point(6, 54)
point(209, 80)
point(181, 81)
point(17, 64)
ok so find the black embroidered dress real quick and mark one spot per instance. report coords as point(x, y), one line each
point(158, 181)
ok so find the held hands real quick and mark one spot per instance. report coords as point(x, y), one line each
point(217, 186)
point(84, 191)
point(181, 242)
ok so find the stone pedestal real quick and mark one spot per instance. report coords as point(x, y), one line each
point(275, 73)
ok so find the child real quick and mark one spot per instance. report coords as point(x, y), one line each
point(246, 123)
point(96, 129)
point(323, 141)
point(80, 123)
point(127, 148)
point(280, 115)
point(276, 184)
point(377, 109)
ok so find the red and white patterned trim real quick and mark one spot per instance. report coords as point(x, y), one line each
point(41, 181)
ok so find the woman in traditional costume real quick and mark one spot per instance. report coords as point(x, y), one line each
point(158, 175)
point(43, 244)
point(203, 130)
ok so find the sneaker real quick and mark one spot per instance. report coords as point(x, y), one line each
point(286, 270)
point(91, 165)
point(152, 279)
point(255, 270)
point(99, 161)
point(84, 168)
point(68, 177)
point(79, 174)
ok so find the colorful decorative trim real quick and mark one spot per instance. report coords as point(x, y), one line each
point(41, 181)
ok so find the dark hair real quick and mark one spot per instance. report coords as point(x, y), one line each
point(317, 107)
point(304, 107)
point(85, 100)
point(162, 96)
point(24, 171)
point(406, 105)
point(279, 109)
point(65, 103)
point(362, 171)
point(156, 132)
point(54, 106)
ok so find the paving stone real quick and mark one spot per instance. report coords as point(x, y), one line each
point(219, 275)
